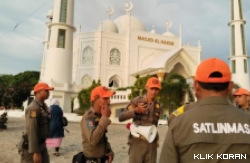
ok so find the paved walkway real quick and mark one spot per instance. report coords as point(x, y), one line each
point(71, 144)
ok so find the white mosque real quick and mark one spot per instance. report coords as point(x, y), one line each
point(116, 52)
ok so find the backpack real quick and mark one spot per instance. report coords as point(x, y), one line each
point(78, 158)
point(64, 121)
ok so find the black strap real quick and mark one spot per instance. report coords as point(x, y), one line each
point(103, 159)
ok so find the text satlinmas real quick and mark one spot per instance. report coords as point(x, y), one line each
point(221, 128)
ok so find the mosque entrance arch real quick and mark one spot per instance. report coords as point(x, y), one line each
point(179, 69)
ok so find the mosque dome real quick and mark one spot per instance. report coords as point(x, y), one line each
point(50, 14)
point(169, 34)
point(122, 23)
point(109, 26)
point(153, 31)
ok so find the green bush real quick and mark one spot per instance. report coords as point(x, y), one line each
point(84, 97)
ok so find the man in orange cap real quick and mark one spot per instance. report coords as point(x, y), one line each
point(94, 123)
point(145, 111)
point(37, 128)
point(214, 130)
point(241, 96)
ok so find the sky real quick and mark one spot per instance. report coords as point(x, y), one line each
point(21, 46)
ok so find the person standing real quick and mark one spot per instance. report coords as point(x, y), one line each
point(214, 127)
point(145, 111)
point(56, 132)
point(242, 98)
point(37, 128)
point(94, 124)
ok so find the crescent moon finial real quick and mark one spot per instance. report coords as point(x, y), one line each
point(168, 25)
point(128, 6)
point(110, 11)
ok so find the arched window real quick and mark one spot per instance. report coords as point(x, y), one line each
point(114, 82)
point(86, 81)
point(115, 57)
point(87, 57)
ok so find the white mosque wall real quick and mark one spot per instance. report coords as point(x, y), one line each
point(193, 52)
point(100, 67)
point(145, 46)
point(146, 55)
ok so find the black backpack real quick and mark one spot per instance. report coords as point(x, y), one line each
point(64, 121)
point(78, 158)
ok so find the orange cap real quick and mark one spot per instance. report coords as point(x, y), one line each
point(42, 86)
point(101, 91)
point(153, 82)
point(241, 91)
point(209, 66)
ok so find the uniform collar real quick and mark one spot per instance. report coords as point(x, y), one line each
point(213, 100)
point(245, 109)
point(144, 96)
point(39, 103)
point(95, 112)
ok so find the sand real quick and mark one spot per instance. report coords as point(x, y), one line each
point(71, 144)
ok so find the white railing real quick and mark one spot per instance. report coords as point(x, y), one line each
point(120, 96)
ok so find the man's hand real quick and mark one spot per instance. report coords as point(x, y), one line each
point(37, 158)
point(141, 108)
point(110, 156)
point(105, 111)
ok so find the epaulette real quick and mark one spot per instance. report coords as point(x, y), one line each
point(90, 111)
point(179, 111)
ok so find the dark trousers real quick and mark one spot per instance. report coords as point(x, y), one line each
point(27, 157)
point(142, 152)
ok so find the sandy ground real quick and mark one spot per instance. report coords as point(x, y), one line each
point(71, 144)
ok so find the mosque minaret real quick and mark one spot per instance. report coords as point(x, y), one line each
point(56, 68)
point(238, 52)
point(58, 62)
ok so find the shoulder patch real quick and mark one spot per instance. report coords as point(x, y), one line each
point(130, 106)
point(157, 106)
point(90, 123)
point(33, 113)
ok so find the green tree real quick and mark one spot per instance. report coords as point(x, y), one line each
point(174, 89)
point(14, 90)
point(138, 89)
point(84, 97)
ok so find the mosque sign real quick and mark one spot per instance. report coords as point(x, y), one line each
point(156, 40)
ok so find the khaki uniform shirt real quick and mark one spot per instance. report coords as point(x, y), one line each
point(213, 127)
point(180, 111)
point(247, 110)
point(94, 128)
point(37, 127)
point(150, 118)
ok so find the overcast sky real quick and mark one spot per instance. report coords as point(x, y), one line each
point(206, 20)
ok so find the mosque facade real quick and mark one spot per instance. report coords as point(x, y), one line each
point(115, 53)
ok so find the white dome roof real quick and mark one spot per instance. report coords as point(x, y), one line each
point(122, 23)
point(169, 34)
point(153, 31)
point(50, 14)
point(109, 26)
